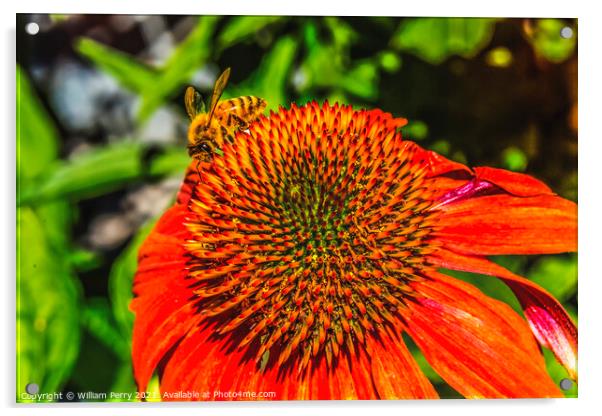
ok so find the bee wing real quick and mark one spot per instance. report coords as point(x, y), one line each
point(193, 102)
point(218, 89)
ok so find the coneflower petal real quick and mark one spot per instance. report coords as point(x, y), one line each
point(439, 165)
point(395, 372)
point(549, 322)
point(162, 291)
point(507, 224)
point(203, 362)
point(477, 344)
point(514, 183)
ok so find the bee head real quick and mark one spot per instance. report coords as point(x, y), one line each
point(203, 150)
point(203, 138)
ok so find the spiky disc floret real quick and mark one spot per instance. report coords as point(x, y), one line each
point(307, 232)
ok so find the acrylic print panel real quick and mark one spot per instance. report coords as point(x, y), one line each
point(295, 208)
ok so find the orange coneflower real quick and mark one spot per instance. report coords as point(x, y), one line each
point(298, 259)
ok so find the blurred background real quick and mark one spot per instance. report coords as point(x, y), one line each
point(101, 133)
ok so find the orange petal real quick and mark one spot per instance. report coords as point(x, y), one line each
point(479, 345)
point(161, 293)
point(549, 322)
point(439, 165)
point(395, 373)
point(191, 178)
point(506, 224)
point(442, 175)
point(203, 362)
point(514, 183)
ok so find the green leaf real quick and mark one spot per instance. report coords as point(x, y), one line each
point(435, 39)
point(516, 264)
point(361, 80)
point(96, 367)
point(500, 57)
point(557, 372)
point(171, 161)
point(90, 174)
point(59, 18)
point(98, 319)
point(389, 61)
point(415, 130)
point(56, 217)
point(327, 64)
point(572, 311)
point(557, 274)
point(515, 159)
point(441, 146)
point(37, 138)
point(269, 81)
point(342, 33)
point(130, 73)
point(155, 86)
point(103, 170)
point(547, 42)
point(240, 28)
point(122, 278)
point(124, 383)
point(189, 55)
point(335, 96)
point(321, 68)
point(48, 330)
point(84, 260)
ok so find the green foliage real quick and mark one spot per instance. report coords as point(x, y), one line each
point(121, 279)
point(514, 159)
point(558, 274)
point(88, 175)
point(37, 138)
point(500, 57)
point(548, 42)
point(48, 305)
point(415, 130)
point(57, 217)
point(48, 294)
point(390, 61)
point(84, 260)
point(240, 28)
point(155, 85)
point(132, 74)
point(327, 65)
point(178, 70)
point(361, 80)
point(435, 39)
point(269, 81)
point(103, 170)
point(558, 373)
point(441, 146)
point(59, 17)
point(99, 321)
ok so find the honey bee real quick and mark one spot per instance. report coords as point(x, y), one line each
point(209, 131)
